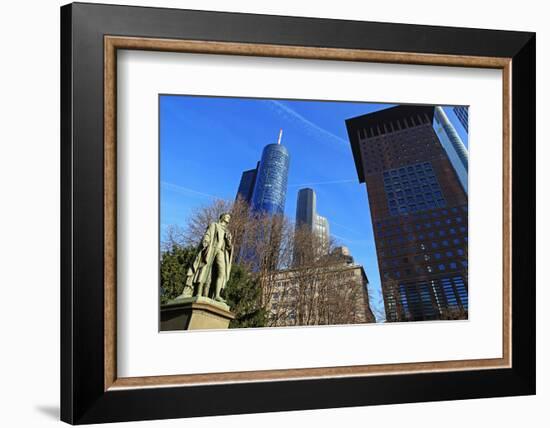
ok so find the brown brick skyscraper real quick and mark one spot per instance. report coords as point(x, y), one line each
point(419, 212)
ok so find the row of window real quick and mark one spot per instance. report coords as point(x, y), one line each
point(386, 148)
point(421, 206)
point(398, 241)
point(393, 126)
point(395, 139)
point(420, 226)
point(415, 187)
point(416, 169)
point(428, 269)
point(421, 216)
point(422, 248)
point(396, 159)
point(422, 258)
point(401, 239)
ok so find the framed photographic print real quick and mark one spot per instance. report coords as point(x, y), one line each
point(266, 213)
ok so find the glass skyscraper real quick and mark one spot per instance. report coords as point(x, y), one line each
point(246, 186)
point(453, 145)
point(264, 188)
point(269, 195)
point(306, 215)
point(462, 115)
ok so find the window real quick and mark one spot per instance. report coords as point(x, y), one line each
point(404, 181)
point(441, 267)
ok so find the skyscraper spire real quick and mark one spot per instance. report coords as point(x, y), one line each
point(280, 136)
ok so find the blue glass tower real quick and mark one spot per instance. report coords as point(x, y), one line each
point(462, 115)
point(453, 145)
point(269, 194)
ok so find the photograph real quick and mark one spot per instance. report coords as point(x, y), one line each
point(295, 213)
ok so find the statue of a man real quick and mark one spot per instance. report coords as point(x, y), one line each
point(212, 265)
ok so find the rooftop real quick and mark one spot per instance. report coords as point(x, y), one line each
point(380, 117)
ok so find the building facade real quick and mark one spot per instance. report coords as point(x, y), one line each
point(306, 216)
point(419, 211)
point(441, 118)
point(264, 188)
point(328, 293)
point(269, 194)
point(462, 115)
point(247, 184)
point(453, 145)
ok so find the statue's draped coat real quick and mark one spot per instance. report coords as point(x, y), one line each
point(200, 271)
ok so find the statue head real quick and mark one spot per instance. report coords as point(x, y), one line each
point(225, 218)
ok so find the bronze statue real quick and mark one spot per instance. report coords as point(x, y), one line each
point(212, 265)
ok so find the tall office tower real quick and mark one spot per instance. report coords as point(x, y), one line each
point(306, 215)
point(462, 115)
point(269, 193)
point(419, 212)
point(453, 136)
point(264, 188)
point(453, 145)
point(322, 230)
point(246, 186)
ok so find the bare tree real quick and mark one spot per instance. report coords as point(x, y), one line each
point(174, 236)
point(302, 281)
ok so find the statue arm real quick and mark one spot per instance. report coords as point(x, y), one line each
point(207, 238)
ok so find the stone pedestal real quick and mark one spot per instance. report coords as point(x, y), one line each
point(194, 313)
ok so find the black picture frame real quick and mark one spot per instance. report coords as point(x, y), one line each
point(83, 396)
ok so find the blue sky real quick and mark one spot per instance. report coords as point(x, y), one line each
point(207, 142)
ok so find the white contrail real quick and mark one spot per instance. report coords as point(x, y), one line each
point(307, 123)
point(319, 183)
point(352, 241)
point(186, 190)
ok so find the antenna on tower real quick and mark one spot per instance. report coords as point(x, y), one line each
point(280, 136)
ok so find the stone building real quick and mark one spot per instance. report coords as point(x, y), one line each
point(327, 292)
